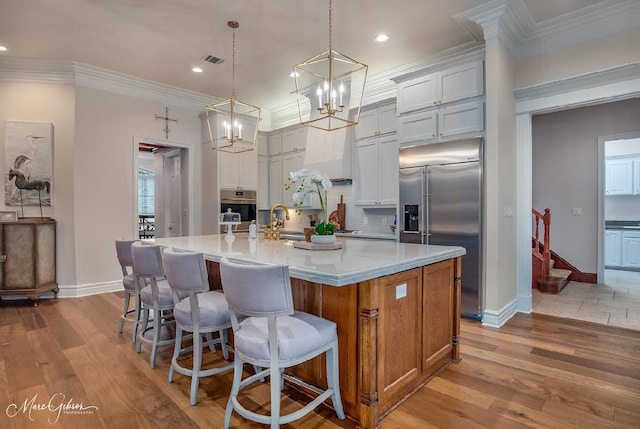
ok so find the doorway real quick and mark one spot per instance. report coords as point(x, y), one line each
point(619, 261)
point(162, 189)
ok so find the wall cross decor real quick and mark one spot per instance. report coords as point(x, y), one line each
point(166, 120)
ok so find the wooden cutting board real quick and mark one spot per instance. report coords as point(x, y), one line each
point(342, 207)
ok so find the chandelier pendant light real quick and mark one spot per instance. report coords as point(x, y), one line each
point(233, 125)
point(330, 88)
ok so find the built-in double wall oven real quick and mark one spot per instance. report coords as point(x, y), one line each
point(243, 202)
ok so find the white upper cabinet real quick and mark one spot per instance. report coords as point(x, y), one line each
point(276, 187)
point(275, 144)
point(294, 140)
point(619, 176)
point(238, 170)
point(446, 86)
point(377, 172)
point(442, 122)
point(263, 183)
point(263, 145)
point(376, 122)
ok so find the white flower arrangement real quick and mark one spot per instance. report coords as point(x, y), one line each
point(311, 182)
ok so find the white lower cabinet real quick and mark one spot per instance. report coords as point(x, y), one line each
point(612, 248)
point(631, 249)
point(377, 172)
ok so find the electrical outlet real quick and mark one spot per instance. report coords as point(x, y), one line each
point(577, 211)
point(365, 220)
point(384, 220)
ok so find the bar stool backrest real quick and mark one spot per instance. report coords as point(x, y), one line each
point(257, 290)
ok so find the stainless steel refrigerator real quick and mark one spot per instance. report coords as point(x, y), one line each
point(441, 203)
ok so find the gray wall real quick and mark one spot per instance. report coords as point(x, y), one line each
point(565, 173)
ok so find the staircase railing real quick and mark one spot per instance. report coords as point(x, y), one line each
point(545, 255)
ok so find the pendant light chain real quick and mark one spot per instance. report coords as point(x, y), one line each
point(330, 26)
point(233, 63)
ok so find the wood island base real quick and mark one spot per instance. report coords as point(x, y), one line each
point(394, 333)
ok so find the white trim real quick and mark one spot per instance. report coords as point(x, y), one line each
point(511, 22)
point(496, 319)
point(75, 291)
point(524, 191)
point(190, 176)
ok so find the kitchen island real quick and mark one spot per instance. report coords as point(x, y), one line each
point(396, 305)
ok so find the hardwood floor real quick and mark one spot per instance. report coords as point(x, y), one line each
point(536, 371)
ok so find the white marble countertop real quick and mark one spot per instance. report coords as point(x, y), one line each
point(357, 261)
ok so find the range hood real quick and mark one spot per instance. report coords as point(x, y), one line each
point(329, 153)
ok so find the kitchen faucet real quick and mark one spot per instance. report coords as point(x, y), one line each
point(272, 232)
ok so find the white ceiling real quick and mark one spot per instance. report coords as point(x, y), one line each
point(162, 40)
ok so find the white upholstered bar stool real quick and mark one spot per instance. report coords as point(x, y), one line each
point(201, 313)
point(155, 295)
point(274, 337)
point(129, 315)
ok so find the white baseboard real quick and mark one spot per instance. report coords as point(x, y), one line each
point(75, 291)
point(496, 319)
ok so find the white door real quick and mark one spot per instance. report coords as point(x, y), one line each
point(173, 195)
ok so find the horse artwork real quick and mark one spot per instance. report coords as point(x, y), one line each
point(26, 185)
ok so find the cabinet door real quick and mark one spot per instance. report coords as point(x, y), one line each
point(461, 119)
point(238, 170)
point(275, 144)
point(263, 183)
point(368, 124)
point(631, 249)
point(248, 169)
point(20, 265)
point(612, 248)
point(636, 176)
point(400, 334)
point(276, 185)
point(294, 140)
point(418, 127)
point(437, 313)
point(619, 176)
point(263, 145)
point(367, 172)
point(228, 166)
point(418, 93)
point(290, 163)
point(387, 119)
point(388, 174)
point(458, 83)
point(289, 141)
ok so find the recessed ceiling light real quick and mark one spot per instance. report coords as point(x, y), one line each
point(382, 38)
point(196, 70)
point(294, 74)
point(2, 48)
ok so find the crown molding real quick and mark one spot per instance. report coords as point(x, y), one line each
point(614, 75)
point(36, 71)
point(124, 84)
point(88, 76)
point(511, 22)
point(581, 26)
